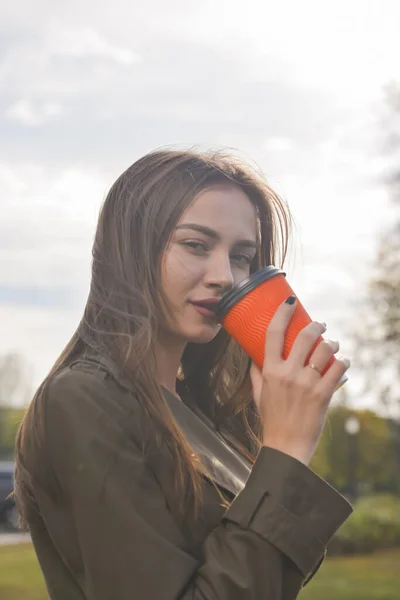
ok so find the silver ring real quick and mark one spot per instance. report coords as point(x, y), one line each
point(312, 366)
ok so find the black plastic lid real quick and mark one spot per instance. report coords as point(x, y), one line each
point(244, 287)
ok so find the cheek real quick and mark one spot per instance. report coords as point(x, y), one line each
point(180, 272)
point(240, 274)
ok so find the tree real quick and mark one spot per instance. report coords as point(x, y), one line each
point(15, 386)
point(14, 379)
point(375, 467)
point(378, 341)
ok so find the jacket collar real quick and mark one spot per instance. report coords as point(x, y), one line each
point(223, 465)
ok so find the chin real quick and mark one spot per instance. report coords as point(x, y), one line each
point(203, 335)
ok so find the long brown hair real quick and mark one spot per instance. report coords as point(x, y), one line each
point(125, 303)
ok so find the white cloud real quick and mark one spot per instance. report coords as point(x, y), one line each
point(33, 114)
point(47, 226)
point(87, 42)
point(52, 109)
point(10, 183)
point(278, 144)
point(39, 334)
point(347, 48)
point(292, 85)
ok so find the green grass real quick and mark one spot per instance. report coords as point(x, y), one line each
point(20, 575)
point(373, 577)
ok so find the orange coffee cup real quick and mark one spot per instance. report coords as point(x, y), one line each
point(246, 311)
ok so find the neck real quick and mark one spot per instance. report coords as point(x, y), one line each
point(168, 353)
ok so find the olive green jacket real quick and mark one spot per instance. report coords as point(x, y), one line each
point(112, 534)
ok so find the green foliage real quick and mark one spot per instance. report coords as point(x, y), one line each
point(13, 421)
point(15, 387)
point(377, 462)
point(10, 419)
point(374, 524)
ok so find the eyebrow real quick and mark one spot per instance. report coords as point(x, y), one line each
point(214, 234)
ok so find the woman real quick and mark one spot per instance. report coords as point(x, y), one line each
point(155, 462)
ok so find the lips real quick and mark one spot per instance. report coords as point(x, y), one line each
point(210, 304)
point(206, 308)
point(209, 307)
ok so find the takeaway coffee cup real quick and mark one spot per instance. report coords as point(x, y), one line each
point(246, 311)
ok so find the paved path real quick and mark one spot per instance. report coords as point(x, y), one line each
point(6, 539)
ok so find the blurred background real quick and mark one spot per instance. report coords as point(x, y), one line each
point(310, 92)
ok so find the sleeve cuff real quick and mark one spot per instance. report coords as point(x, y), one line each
point(291, 507)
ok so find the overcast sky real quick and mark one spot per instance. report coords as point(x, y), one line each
point(86, 88)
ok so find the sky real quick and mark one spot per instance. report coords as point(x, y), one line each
point(87, 88)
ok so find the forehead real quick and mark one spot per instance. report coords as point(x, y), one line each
point(226, 209)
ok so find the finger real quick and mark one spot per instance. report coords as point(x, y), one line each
point(335, 372)
point(275, 336)
point(323, 353)
point(304, 342)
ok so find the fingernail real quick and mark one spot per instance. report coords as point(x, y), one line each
point(334, 345)
point(291, 300)
point(344, 360)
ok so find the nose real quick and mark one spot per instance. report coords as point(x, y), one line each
point(219, 273)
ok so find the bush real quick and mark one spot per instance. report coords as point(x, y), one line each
point(374, 525)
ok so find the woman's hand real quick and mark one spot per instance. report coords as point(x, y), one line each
point(292, 398)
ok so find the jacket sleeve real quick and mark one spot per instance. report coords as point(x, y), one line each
point(270, 539)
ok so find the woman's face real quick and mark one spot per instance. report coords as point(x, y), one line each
point(210, 250)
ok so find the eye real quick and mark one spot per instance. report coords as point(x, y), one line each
point(196, 246)
point(242, 259)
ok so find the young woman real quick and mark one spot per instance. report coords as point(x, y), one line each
point(155, 462)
